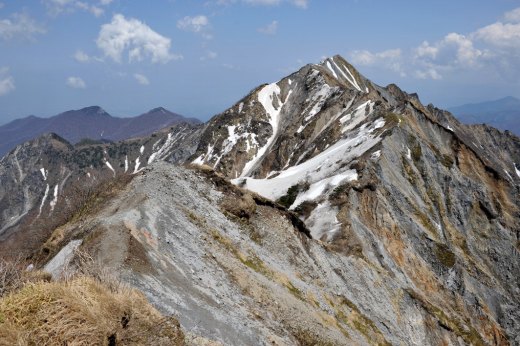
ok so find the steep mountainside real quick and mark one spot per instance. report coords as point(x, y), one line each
point(376, 175)
point(90, 122)
point(401, 225)
point(40, 179)
point(504, 114)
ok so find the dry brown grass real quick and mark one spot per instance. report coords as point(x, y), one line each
point(13, 276)
point(89, 307)
point(83, 311)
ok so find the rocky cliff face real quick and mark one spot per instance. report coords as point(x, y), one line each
point(376, 175)
point(400, 226)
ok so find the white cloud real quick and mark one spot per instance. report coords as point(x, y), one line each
point(6, 81)
point(132, 35)
point(430, 73)
point(76, 83)
point(141, 79)
point(81, 56)
point(195, 24)
point(500, 35)
point(20, 25)
point(269, 29)
point(390, 59)
point(58, 7)
point(494, 48)
point(198, 24)
point(513, 16)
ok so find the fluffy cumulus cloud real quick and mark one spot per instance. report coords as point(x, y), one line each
point(135, 38)
point(76, 83)
point(58, 7)
point(269, 29)
point(6, 81)
point(495, 46)
point(141, 79)
point(20, 25)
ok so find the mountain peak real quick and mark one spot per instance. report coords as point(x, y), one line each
point(159, 110)
point(339, 68)
point(93, 110)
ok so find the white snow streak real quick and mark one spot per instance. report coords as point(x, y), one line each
point(110, 167)
point(137, 164)
point(142, 149)
point(516, 170)
point(267, 96)
point(126, 163)
point(408, 153)
point(351, 80)
point(332, 70)
point(44, 173)
point(55, 200)
point(44, 199)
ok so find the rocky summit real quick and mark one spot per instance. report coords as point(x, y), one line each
point(322, 209)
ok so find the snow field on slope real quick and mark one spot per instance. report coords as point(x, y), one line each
point(321, 171)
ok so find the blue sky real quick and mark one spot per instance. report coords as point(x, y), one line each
point(199, 57)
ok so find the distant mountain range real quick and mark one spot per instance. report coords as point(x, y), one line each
point(503, 114)
point(90, 122)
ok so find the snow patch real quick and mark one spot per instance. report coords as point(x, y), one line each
point(317, 189)
point(240, 107)
point(55, 200)
point(449, 128)
point(517, 171)
point(137, 164)
point(126, 163)
point(332, 70)
point(318, 100)
point(44, 199)
point(110, 167)
point(351, 80)
point(408, 153)
point(375, 155)
point(358, 116)
point(267, 96)
point(44, 173)
point(142, 149)
point(325, 165)
point(323, 222)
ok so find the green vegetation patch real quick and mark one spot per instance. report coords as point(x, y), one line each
point(444, 255)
